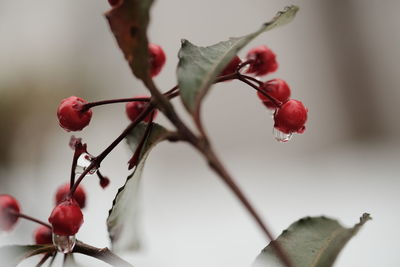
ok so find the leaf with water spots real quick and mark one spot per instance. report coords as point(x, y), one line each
point(311, 242)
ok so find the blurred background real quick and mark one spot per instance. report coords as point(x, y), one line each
point(340, 58)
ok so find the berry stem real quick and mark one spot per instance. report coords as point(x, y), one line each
point(272, 99)
point(29, 218)
point(97, 160)
point(135, 158)
point(53, 258)
point(89, 105)
point(73, 168)
point(44, 259)
point(260, 83)
point(103, 254)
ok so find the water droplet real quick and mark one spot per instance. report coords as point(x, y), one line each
point(84, 161)
point(281, 136)
point(63, 243)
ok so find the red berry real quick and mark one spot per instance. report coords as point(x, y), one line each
point(70, 114)
point(104, 182)
point(79, 195)
point(113, 2)
point(134, 108)
point(157, 59)
point(276, 88)
point(66, 218)
point(9, 209)
point(264, 61)
point(232, 66)
point(43, 235)
point(291, 117)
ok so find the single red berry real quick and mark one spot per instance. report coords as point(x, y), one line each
point(43, 235)
point(134, 108)
point(66, 218)
point(264, 60)
point(9, 209)
point(291, 117)
point(104, 182)
point(157, 59)
point(79, 195)
point(113, 2)
point(71, 115)
point(277, 89)
point(232, 66)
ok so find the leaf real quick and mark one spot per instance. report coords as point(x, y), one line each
point(11, 256)
point(199, 66)
point(123, 216)
point(311, 242)
point(128, 22)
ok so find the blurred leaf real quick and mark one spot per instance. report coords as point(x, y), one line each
point(11, 256)
point(128, 22)
point(199, 66)
point(122, 220)
point(311, 242)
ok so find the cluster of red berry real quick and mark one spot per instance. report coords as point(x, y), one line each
point(74, 113)
point(66, 218)
point(290, 115)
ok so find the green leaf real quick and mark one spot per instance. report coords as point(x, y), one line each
point(11, 256)
point(128, 22)
point(311, 242)
point(199, 66)
point(122, 221)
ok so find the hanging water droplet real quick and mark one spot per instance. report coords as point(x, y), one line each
point(281, 136)
point(63, 243)
point(83, 162)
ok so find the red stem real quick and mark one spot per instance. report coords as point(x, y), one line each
point(112, 101)
point(274, 101)
point(29, 218)
point(97, 160)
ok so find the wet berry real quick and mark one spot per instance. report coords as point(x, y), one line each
point(66, 218)
point(291, 117)
point(264, 61)
point(157, 59)
point(43, 235)
point(9, 209)
point(79, 195)
point(71, 115)
point(134, 108)
point(276, 88)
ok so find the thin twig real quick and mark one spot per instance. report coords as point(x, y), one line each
point(44, 259)
point(112, 101)
point(103, 254)
point(29, 218)
point(97, 160)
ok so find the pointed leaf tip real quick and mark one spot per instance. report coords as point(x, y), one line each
point(311, 242)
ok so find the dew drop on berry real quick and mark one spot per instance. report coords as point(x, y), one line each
point(64, 244)
point(84, 161)
point(281, 136)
